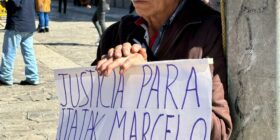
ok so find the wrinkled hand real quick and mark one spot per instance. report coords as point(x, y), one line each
point(123, 56)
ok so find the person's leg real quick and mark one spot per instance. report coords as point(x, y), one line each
point(10, 44)
point(41, 22)
point(102, 21)
point(79, 3)
point(59, 6)
point(65, 6)
point(31, 69)
point(96, 24)
point(98, 28)
point(46, 22)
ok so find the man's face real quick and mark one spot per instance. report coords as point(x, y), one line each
point(147, 8)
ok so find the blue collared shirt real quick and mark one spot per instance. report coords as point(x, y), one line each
point(21, 15)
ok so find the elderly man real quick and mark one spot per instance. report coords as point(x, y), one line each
point(170, 30)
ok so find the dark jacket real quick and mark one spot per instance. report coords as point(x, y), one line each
point(20, 15)
point(194, 33)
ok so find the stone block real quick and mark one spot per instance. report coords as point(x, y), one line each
point(252, 67)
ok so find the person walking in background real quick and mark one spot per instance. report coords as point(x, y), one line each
point(43, 8)
point(64, 6)
point(20, 26)
point(98, 17)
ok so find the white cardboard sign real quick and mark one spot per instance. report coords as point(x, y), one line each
point(166, 100)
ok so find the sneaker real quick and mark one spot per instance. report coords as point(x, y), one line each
point(41, 31)
point(3, 83)
point(25, 82)
point(47, 29)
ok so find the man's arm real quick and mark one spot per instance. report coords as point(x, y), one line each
point(221, 119)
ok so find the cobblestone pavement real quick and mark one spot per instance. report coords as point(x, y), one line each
point(31, 112)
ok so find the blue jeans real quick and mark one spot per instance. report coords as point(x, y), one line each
point(43, 20)
point(12, 40)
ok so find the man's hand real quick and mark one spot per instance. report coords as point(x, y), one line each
point(123, 56)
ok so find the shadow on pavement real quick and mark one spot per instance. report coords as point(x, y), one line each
point(63, 44)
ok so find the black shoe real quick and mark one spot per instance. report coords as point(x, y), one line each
point(38, 29)
point(25, 82)
point(47, 30)
point(2, 83)
point(41, 31)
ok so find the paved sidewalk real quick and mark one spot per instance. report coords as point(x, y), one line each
point(31, 112)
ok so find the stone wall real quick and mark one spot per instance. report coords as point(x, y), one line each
point(251, 50)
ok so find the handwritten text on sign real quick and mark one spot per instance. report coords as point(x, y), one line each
point(168, 100)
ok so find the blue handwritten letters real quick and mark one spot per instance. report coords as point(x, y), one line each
point(157, 101)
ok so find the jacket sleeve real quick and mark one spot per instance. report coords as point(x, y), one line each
point(107, 41)
point(221, 119)
point(116, 34)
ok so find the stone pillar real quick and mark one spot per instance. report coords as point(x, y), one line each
point(252, 68)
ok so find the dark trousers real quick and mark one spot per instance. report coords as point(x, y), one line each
point(98, 20)
point(77, 2)
point(60, 6)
